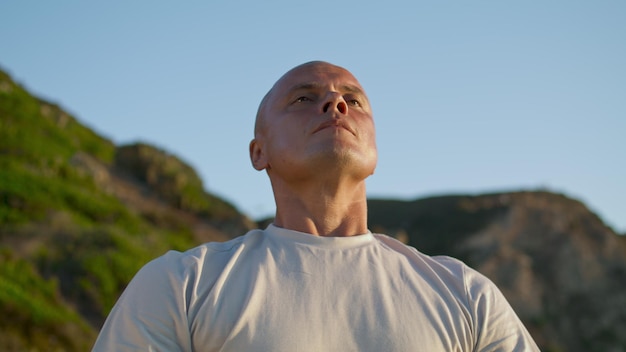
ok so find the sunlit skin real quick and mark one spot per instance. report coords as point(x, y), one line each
point(315, 138)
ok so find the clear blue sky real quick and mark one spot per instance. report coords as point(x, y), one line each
point(468, 96)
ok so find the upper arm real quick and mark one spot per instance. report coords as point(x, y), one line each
point(497, 326)
point(151, 313)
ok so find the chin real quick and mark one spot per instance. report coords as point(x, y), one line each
point(347, 159)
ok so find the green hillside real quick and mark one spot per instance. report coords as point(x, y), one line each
point(79, 216)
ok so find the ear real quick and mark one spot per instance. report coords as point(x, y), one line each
point(257, 155)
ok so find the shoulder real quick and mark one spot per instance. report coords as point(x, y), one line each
point(439, 263)
point(207, 255)
point(450, 271)
point(493, 320)
point(175, 276)
point(153, 309)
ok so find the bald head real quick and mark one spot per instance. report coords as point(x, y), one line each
point(314, 117)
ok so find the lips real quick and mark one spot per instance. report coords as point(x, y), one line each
point(334, 123)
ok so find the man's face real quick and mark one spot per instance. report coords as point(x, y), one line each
point(316, 117)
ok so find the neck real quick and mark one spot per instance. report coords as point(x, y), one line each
point(322, 208)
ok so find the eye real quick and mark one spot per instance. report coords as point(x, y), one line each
point(302, 99)
point(353, 102)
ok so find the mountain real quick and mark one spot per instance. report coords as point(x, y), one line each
point(80, 215)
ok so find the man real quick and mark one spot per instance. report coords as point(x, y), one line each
point(316, 279)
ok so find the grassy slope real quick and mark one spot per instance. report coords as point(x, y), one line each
point(67, 248)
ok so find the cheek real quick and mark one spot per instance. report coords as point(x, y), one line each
point(284, 140)
point(371, 133)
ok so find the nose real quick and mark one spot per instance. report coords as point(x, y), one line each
point(335, 101)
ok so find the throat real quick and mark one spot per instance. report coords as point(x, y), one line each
point(323, 212)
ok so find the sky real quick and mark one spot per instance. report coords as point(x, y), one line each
point(469, 97)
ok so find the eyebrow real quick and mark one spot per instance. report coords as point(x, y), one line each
point(349, 88)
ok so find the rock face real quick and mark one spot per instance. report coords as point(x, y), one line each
point(177, 185)
point(560, 267)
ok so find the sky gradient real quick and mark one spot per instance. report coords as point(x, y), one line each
point(468, 97)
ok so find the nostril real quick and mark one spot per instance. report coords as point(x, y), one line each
point(342, 107)
point(326, 106)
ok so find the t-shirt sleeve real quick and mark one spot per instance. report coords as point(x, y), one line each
point(150, 315)
point(497, 326)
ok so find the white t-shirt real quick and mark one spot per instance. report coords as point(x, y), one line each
point(282, 290)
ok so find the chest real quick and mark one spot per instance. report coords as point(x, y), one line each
point(324, 302)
